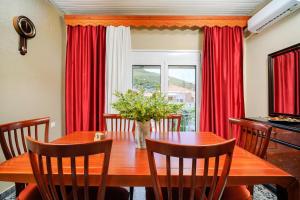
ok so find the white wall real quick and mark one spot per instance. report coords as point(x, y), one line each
point(32, 85)
point(280, 35)
point(166, 39)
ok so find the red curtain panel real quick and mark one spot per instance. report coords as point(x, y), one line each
point(297, 75)
point(85, 78)
point(284, 67)
point(222, 79)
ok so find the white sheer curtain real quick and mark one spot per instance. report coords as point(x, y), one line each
point(118, 66)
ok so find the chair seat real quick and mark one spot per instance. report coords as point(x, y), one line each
point(236, 193)
point(31, 192)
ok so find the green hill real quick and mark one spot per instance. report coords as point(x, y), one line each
point(151, 80)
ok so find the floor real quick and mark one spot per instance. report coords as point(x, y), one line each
point(260, 193)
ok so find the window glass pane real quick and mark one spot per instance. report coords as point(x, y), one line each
point(182, 88)
point(147, 77)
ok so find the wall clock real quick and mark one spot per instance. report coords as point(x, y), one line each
point(26, 29)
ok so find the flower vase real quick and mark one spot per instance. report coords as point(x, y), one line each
point(142, 130)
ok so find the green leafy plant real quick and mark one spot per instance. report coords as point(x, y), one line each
point(136, 106)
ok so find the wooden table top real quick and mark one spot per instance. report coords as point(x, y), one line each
point(129, 166)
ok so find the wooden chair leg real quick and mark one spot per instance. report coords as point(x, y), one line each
point(251, 189)
point(131, 189)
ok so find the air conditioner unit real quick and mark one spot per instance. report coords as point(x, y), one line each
point(271, 13)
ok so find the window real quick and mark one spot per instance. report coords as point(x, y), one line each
point(182, 88)
point(146, 77)
point(176, 75)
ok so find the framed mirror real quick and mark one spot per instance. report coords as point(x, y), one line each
point(284, 82)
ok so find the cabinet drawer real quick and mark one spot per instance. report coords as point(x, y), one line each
point(286, 136)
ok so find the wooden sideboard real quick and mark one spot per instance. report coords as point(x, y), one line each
point(284, 149)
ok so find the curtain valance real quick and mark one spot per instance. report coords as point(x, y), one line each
point(157, 21)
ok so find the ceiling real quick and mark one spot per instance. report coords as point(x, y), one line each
point(159, 7)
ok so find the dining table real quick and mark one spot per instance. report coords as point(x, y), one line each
point(129, 166)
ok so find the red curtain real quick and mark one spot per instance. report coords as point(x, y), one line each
point(286, 83)
point(85, 78)
point(297, 78)
point(222, 79)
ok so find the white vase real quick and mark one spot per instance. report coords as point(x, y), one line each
point(142, 130)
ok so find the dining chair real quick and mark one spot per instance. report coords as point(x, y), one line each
point(115, 122)
point(45, 158)
point(253, 137)
point(191, 154)
point(170, 123)
point(12, 138)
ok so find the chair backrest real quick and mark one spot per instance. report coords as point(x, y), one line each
point(252, 136)
point(115, 122)
point(170, 123)
point(12, 135)
point(206, 153)
point(43, 156)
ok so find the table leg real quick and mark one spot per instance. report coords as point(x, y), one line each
point(281, 193)
point(293, 191)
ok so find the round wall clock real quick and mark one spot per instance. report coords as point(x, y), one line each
point(26, 29)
